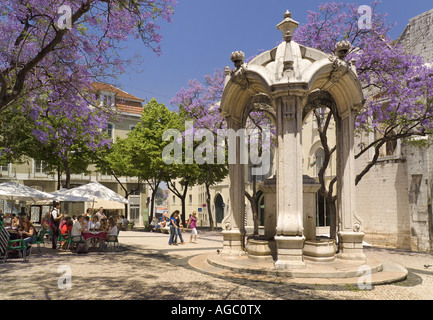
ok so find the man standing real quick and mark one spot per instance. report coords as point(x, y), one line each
point(56, 216)
point(100, 214)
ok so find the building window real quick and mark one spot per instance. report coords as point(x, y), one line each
point(174, 200)
point(134, 192)
point(108, 99)
point(190, 199)
point(40, 166)
point(4, 168)
point(134, 212)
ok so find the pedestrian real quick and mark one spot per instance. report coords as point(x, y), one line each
point(56, 216)
point(173, 227)
point(192, 223)
point(180, 229)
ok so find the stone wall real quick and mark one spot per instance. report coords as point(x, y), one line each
point(382, 202)
point(418, 35)
point(394, 198)
point(420, 174)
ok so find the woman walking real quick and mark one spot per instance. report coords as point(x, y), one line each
point(173, 228)
point(180, 228)
point(192, 223)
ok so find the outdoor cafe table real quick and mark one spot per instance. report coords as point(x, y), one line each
point(94, 234)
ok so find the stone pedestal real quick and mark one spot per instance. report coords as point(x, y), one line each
point(233, 243)
point(350, 245)
point(261, 248)
point(320, 250)
point(289, 251)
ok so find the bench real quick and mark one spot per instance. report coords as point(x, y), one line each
point(165, 229)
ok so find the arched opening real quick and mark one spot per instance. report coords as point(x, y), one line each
point(261, 208)
point(219, 208)
point(323, 216)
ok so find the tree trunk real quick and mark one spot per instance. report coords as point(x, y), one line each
point(333, 219)
point(209, 210)
point(67, 184)
point(59, 178)
point(152, 201)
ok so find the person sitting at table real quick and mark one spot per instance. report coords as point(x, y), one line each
point(119, 222)
point(112, 228)
point(45, 223)
point(66, 228)
point(62, 222)
point(87, 218)
point(15, 222)
point(125, 223)
point(103, 226)
point(94, 223)
point(78, 227)
point(13, 230)
point(7, 220)
point(26, 231)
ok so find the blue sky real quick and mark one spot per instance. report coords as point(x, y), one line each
point(204, 33)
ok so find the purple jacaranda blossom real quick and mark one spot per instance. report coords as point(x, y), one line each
point(48, 69)
point(397, 84)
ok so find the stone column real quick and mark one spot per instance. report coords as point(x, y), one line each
point(233, 223)
point(350, 235)
point(289, 236)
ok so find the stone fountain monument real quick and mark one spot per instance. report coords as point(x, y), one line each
point(287, 83)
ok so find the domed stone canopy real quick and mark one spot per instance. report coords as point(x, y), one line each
point(287, 82)
point(291, 68)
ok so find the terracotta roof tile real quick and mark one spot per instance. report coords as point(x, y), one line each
point(129, 109)
point(97, 86)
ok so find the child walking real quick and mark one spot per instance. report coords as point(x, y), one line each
point(192, 223)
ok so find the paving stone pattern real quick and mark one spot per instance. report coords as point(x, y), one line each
point(147, 268)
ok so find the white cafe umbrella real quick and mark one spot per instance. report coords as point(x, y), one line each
point(15, 191)
point(61, 195)
point(93, 191)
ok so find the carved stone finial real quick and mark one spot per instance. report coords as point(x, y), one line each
point(342, 49)
point(238, 58)
point(227, 71)
point(288, 14)
point(287, 25)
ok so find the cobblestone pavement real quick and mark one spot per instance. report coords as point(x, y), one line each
point(147, 268)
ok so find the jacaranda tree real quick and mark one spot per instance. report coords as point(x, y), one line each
point(398, 85)
point(56, 49)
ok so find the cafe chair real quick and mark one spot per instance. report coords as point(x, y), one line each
point(114, 240)
point(39, 239)
point(73, 240)
point(60, 238)
point(7, 245)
